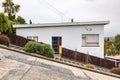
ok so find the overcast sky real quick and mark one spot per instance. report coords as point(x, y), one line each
point(54, 11)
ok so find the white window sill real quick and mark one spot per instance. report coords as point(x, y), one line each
point(90, 46)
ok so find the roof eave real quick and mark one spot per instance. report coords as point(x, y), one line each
point(61, 24)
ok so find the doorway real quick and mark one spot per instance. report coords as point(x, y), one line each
point(56, 43)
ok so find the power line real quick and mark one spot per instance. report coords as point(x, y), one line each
point(47, 6)
point(52, 8)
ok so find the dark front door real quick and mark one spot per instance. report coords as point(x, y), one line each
point(56, 43)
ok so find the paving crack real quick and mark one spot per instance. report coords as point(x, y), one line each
point(87, 76)
point(28, 70)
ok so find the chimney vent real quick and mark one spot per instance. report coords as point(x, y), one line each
point(72, 20)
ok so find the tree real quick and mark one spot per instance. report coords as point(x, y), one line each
point(5, 24)
point(10, 8)
point(117, 42)
point(21, 20)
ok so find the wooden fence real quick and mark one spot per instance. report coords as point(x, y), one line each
point(17, 40)
point(66, 53)
point(82, 57)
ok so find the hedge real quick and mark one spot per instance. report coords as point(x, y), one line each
point(39, 48)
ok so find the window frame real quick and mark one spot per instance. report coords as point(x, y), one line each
point(87, 43)
point(35, 38)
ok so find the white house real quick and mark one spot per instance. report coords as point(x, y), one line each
point(86, 37)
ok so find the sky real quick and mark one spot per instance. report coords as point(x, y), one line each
point(55, 11)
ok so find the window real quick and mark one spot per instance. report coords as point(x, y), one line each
point(35, 38)
point(90, 40)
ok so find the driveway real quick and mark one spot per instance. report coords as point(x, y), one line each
point(17, 66)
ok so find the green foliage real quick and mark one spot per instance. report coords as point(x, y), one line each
point(4, 40)
point(113, 48)
point(10, 8)
point(42, 49)
point(14, 22)
point(10, 16)
point(21, 20)
point(117, 42)
point(115, 71)
point(48, 51)
point(5, 25)
point(31, 46)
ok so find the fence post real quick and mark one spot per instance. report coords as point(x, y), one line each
point(75, 53)
point(87, 61)
point(88, 58)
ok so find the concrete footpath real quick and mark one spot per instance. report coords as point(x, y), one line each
point(17, 66)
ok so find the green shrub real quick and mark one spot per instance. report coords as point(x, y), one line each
point(48, 51)
point(31, 46)
point(4, 40)
point(42, 49)
point(115, 71)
